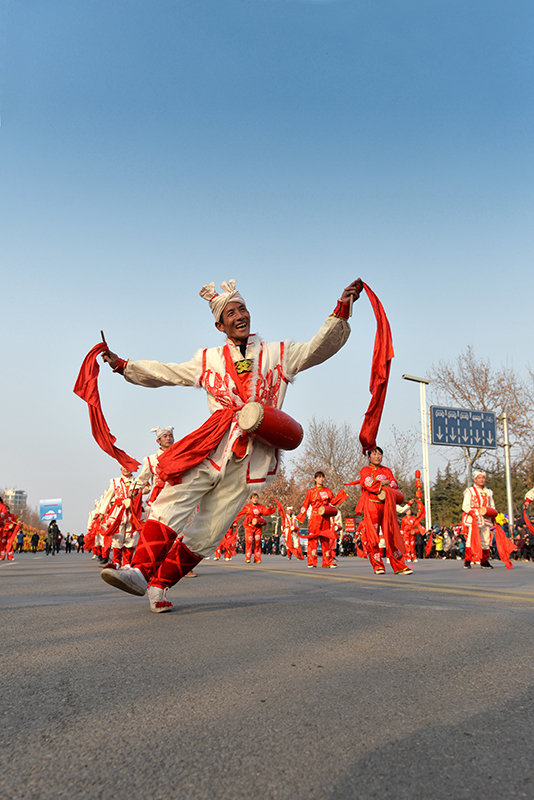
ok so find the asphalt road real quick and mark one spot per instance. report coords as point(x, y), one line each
point(270, 681)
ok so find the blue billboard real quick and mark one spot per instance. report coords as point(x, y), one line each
point(50, 509)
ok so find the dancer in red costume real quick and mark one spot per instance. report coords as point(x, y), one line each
point(408, 530)
point(8, 532)
point(320, 499)
point(254, 514)
point(213, 467)
point(479, 514)
point(228, 544)
point(378, 506)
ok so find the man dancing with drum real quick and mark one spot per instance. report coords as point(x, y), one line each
point(479, 514)
point(214, 467)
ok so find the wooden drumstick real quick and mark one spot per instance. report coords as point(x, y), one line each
point(103, 338)
point(359, 286)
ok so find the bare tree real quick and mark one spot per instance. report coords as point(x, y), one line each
point(335, 449)
point(285, 488)
point(400, 454)
point(31, 517)
point(475, 384)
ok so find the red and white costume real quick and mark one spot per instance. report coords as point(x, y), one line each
point(148, 479)
point(219, 483)
point(476, 524)
point(290, 530)
point(253, 523)
point(320, 528)
point(380, 518)
point(116, 509)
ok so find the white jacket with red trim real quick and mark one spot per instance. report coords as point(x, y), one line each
point(275, 364)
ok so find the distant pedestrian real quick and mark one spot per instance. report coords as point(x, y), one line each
point(20, 541)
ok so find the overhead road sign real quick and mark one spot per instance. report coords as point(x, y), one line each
point(462, 427)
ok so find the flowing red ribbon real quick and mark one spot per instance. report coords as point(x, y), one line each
point(505, 546)
point(381, 364)
point(86, 387)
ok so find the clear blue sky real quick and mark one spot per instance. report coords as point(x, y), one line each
point(147, 148)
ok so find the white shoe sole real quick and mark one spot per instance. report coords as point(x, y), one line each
point(162, 610)
point(127, 583)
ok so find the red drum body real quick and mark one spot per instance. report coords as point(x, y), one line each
point(271, 426)
point(327, 510)
point(397, 496)
point(258, 522)
point(491, 513)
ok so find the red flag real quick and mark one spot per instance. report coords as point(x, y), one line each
point(86, 387)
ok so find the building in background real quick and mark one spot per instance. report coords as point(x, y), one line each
point(16, 500)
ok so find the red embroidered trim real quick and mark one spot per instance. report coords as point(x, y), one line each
point(342, 310)
point(120, 365)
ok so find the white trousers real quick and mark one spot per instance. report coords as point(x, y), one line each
point(217, 500)
point(485, 536)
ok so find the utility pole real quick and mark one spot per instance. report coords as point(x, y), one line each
point(508, 472)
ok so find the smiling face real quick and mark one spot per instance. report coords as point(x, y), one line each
point(480, 480)
point(235, 323)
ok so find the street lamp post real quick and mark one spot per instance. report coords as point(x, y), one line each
point(508, 472)
point(424, 441)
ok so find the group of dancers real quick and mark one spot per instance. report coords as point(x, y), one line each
point(197, 489)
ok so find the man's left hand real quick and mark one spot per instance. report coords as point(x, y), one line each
point(353, 290)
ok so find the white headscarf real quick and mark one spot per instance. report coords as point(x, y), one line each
point(478, 472)
point(160, 431)
point(219, 301)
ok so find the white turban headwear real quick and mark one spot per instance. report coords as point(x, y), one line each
point(219, 301)
point(479, 472)
point(160, 431)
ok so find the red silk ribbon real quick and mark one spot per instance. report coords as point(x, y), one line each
point(86, 387)
point(382, 356)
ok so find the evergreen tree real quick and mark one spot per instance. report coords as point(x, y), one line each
point(446, 494)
